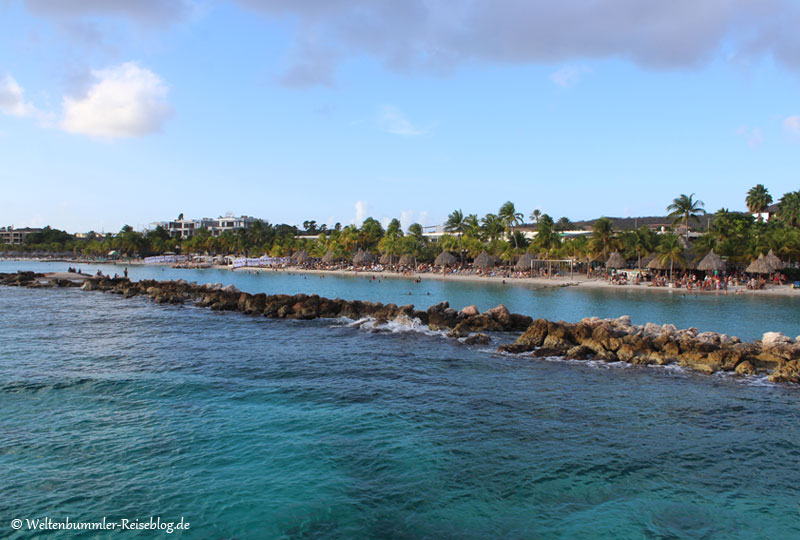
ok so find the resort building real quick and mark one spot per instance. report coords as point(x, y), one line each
point(10, 235)
point(186, 228)
point(768, 213)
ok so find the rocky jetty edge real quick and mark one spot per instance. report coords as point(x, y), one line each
point(609, 340)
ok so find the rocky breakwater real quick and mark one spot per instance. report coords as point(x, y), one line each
point(617, 340)
point(467, 323)
point(610, 340)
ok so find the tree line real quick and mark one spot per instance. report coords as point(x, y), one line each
point(738, 236)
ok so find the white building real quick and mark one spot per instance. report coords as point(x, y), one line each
point(186, 228)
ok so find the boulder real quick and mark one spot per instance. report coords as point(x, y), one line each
point(501, 315)
point(479, 338)
point(470, 310)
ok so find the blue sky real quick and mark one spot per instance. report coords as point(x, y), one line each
point(115, 112)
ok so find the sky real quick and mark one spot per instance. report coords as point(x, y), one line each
point(115, 112)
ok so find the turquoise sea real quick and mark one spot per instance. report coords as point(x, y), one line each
point(256, 428)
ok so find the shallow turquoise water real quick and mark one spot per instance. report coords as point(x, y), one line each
point(256, 428)
point(746, 316)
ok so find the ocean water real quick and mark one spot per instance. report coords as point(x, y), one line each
point(255, 428)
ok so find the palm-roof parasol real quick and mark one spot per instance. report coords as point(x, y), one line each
point(524, 262)
point(773, 261)
point(406, 260)
point(328, 257)
point(711, 262)
point(301, 256)
point(758, 266)
point(616, 261)
point(444, 259)
point(386, 258)
point(647, 259)
point(483, 261)
point(655, 264)
point(363, 257)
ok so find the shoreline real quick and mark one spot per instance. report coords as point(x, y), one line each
point(579, 280)
point(533, 283)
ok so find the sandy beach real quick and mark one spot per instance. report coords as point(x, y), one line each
point(578, 280)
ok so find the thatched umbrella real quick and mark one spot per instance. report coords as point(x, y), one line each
point(773, 261)
point(689, 259)
point(406, 260)
point(655, 264)
point(711, 263)
point(328, 257)
point(363, 257)
point(758, 266)
point(483, 261)
point(301, 256)
point(445, 259)
point(524, 262)
point(616, 261)
point(386, 258)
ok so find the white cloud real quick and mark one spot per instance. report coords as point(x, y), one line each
point(406, 218)
point(124, 101)
point(12, 99)
point(792, 124)
point(752, 135)
point(392, 120)
point(361, 212)
point(568, 76)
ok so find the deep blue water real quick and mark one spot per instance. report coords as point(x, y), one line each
point(256, 428)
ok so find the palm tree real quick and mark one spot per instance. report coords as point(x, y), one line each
point(602, 237)
point(789, 208)
point(642, 243)
point(492, 226)
point(670, 250)
point(510, 218)
point(471, 225)
point(535, 215)
point(455, 223)
point(758, 199)
point(684, 208)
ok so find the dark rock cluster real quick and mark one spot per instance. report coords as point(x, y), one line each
point(610, 340)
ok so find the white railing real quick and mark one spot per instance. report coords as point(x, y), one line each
point(263, 261)
point(165, 259)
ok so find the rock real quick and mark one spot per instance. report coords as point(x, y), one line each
point(787, 371)
point(579, 352)
point(543, 352)
point(624, 320)
point(745, 368)
point(470, 310)
point(89, 285)
point(770, 339)
point(532, 338)
point(501, 314)
point(478, 338)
